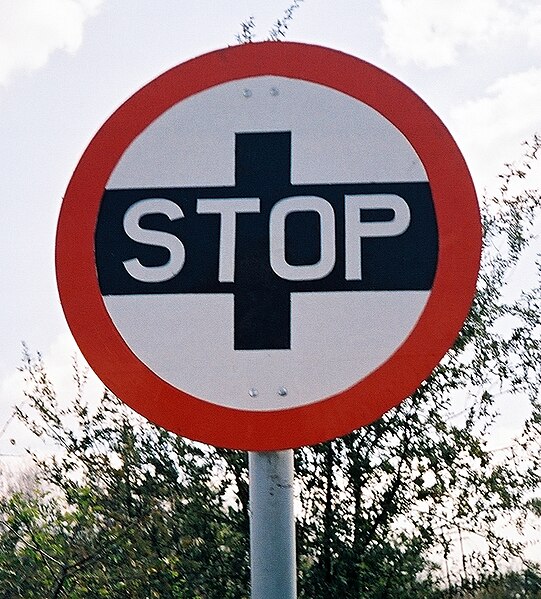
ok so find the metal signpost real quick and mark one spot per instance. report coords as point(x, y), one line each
point(272, 525)
point(266, 247)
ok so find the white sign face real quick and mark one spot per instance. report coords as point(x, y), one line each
point(269, 155)
point(268, 246)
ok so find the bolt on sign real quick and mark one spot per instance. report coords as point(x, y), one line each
point(268, 246)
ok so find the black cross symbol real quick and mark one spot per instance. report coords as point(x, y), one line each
point(262, 299)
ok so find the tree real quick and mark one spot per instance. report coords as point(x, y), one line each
point(508, 585)
point(124, 510)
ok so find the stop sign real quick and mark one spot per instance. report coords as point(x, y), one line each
point(268, 246)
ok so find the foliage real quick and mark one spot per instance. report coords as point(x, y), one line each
point(247, 32)
point(125, 510)
point(276, 33)
point(280, 26)
point(508, 585)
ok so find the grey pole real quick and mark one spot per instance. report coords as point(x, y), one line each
point(272, 525)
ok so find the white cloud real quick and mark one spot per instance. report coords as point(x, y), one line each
point(532, 26)
point(431, 34)
point(491, 128)
point(30, 30)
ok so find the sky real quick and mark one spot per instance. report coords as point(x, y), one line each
point(66, 65)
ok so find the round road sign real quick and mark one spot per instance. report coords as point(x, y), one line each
point(268, 246)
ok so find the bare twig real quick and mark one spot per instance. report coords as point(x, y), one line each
point(278, 30)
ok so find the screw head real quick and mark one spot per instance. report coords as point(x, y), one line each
point(274, 91)
point(247, 93)
point(253, 392)
point(282, 392)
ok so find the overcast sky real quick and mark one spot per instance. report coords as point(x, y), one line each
point(66, 65)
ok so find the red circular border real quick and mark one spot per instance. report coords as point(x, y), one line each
point(457, 216)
